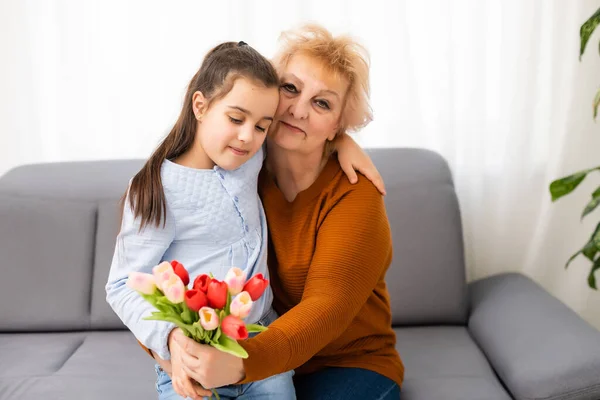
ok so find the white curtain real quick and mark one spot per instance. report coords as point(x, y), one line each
point(495, 86)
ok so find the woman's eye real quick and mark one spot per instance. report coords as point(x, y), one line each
point(289, 88)
point(323, 104)
point(260, 128)
point(235, 121)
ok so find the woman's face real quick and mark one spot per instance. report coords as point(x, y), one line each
point(310, 105)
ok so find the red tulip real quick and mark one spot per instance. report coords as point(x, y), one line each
point(195, 300)
point(256, 286)
point(234, 328)
point(180, 272)
point(217, 294)
point(201, 282)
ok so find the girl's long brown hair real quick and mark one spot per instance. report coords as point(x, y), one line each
point(215, 78)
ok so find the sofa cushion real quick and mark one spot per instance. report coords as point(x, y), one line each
point(90, 365)
point(445, 363)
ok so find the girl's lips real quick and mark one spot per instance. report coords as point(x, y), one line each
point(292, 127)
point(238, 152)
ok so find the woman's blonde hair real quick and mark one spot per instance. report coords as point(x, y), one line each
point(341, 56)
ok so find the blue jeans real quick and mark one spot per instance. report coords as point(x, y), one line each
point(277, 387)
point(345, 384)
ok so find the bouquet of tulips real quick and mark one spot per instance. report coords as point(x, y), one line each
point(211, 312)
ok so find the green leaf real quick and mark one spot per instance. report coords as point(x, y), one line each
point(596, 104)
point(228, 345)
point(566, 185)
point(591, 248)
point(572, 258)
point(591, 277)
point(198, 329)
point(226, 309)
point(217, 335)
point(163, 303)
point(255, 328)
point(586, 31)
point(188, 330)
point(591, 206)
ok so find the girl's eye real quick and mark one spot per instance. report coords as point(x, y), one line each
point(260, 128)
point(235, 121)
point(288, 87)
point(323, 104)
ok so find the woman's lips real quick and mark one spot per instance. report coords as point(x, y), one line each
point(292, 127)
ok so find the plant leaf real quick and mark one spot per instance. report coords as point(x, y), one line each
point(591, 248)
point(198, 330)
point(572, 258)
point(228, 305)
point(596, 104)
point(228, 345)
point(188, 330)
point(586, 31)
point(566, 185)
point(591, 276)
point(255, 328)
point(591, 206)
point(217, 335)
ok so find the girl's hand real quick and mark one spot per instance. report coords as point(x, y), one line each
point(182, 383)
point(353, 158)
point(164, 364)
point(209, 366)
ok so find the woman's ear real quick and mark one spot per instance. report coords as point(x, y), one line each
point(199, 104)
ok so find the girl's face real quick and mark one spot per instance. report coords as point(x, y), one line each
point(234, 127)
point(311, 103)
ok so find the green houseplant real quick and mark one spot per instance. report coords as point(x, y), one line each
point(564, 186)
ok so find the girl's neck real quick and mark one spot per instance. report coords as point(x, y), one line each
point(294, 172)
point(195, 157)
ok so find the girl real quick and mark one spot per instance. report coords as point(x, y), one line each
point(196, 201)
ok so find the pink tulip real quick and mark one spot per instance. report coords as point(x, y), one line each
point(208, 318)
point(174, 289)
point(141, 282)
point(235, 280)
point(234, 328)
point(162, 272)
point(241, 305)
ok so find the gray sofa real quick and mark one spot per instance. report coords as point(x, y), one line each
point(498, 338)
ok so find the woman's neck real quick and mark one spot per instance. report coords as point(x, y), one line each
point(293, 171)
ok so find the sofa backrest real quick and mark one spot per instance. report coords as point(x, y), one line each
point(58, 224)
point(426, 280)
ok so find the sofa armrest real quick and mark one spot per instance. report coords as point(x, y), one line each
point(538, 347)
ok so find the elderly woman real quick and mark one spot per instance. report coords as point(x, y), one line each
point(330, 241)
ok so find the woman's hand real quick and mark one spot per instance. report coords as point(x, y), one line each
point(353, 158)
point(207, 365)
point(182, 383)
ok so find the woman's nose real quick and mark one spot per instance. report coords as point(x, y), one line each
point(299, 110)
